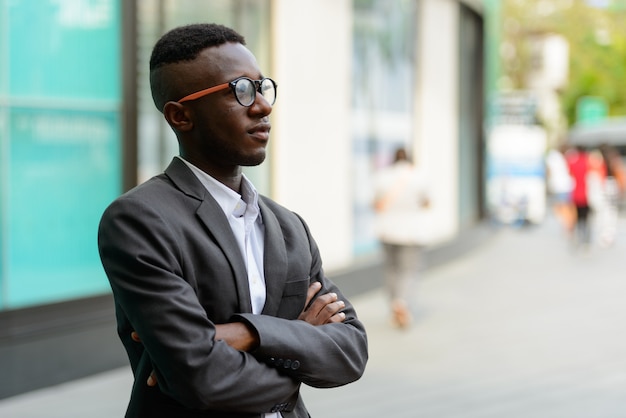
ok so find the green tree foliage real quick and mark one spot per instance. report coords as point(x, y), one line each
point(596, 32)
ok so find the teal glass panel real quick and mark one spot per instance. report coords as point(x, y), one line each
point(64, 49)
point(4, 36)
point(4, 162)
point(65, 170)
point(60, 127)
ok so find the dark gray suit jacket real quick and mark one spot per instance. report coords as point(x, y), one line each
point(176, 270)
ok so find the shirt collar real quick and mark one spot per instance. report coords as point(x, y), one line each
point(231, 202)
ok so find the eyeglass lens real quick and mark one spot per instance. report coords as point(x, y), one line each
point(245, 91)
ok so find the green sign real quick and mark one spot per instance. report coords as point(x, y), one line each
point(591, 110)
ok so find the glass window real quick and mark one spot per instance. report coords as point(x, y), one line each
point(59, 145)
point(384, 74)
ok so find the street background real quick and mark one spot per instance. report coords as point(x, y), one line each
point(523, 325)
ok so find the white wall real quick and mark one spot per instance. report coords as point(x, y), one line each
point(311, 150)
point(436, 145)
point(311, 134)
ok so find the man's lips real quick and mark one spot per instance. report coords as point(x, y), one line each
point(261, 131)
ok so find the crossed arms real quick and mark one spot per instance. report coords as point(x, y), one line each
point(325, 309)
point(203, 355)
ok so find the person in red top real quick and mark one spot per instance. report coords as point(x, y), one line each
point(578, 163)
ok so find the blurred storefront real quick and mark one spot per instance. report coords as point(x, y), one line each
point(78, 127)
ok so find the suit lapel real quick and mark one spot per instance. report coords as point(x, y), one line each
point(274, 260)
point(211, 215)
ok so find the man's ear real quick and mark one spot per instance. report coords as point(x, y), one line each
point(178, 116)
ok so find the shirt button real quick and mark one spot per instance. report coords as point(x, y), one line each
point(295, 365)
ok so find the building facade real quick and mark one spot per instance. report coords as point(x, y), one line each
point(78, 127)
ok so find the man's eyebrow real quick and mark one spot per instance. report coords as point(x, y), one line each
point(259, 75)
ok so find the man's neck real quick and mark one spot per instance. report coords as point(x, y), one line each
point(232, 182)
point(228, 176)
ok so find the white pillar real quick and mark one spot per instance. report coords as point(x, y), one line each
point(437, 109)
point(311, 136)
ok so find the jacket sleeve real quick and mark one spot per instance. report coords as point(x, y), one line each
point(320, 356)
point(140, 254)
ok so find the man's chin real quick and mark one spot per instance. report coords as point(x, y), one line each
point(253, 160)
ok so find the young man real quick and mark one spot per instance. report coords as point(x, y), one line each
point(221, 301)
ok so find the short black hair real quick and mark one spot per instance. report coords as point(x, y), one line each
point(181, 44)
point(184, 43)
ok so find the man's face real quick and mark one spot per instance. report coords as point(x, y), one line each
point(225, 134)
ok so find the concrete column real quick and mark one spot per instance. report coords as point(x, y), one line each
point(437, 109)
point(311, 135)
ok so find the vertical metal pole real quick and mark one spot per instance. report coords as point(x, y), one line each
point(129, 94)
point(163, 128)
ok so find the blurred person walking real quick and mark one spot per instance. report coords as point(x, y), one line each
point(560, 184)
point(612, 182)
point(578, 164)
point(400, 201)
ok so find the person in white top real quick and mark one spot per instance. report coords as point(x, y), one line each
point(559, 183)
point(400, 198)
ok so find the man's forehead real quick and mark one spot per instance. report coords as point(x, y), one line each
point(216, 64)
point(227, 55)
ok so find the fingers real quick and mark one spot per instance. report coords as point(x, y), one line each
point(312, 291)
point(327, 303)
point(152, 379)
point(323, 310)
point(337, 318)
point(332, 312)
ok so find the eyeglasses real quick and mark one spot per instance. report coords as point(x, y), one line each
point(245, 90)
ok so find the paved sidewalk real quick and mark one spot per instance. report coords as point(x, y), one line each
point(521, 327)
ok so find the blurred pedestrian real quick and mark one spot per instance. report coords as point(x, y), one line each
point(612, 186)
point(400, 199)
point(578, 163)
point(560, 184)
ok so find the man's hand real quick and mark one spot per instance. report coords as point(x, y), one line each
point(152, 379)
point(326, 309)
